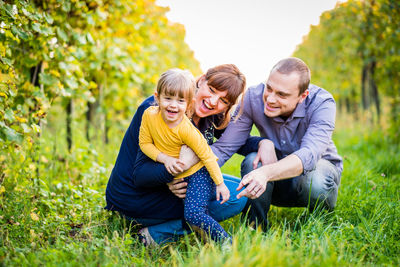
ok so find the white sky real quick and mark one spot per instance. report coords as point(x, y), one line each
point(253, 34)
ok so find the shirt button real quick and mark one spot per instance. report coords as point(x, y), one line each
point(283, 142)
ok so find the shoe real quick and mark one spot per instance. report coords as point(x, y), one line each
point(226, 245)
point(145, 238)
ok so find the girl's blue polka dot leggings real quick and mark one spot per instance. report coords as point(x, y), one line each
point(200, 190)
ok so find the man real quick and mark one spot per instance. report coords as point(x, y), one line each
point(302, 167)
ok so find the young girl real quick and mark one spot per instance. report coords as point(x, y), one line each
point(164, 129)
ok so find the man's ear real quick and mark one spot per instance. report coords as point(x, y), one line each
point(304, 95)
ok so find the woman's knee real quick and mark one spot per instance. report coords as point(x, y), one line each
point(247, 164)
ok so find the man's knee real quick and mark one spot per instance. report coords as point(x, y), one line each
point(321, 186)
point(247, 164)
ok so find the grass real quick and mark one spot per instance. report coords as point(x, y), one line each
point(51, 212)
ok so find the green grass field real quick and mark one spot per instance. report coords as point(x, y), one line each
point(58, 218)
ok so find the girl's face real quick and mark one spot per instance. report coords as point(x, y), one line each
point(172, 108)
point(209, 101)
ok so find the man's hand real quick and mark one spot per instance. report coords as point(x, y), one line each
point(178, 187)
point(255, 182)
point(222, 191)
point(188, 157)
point(266, 153)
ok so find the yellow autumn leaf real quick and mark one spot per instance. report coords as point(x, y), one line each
point(2, 190)
point(36, 128)
point(34, 216)
point(20, 119)
point(27, 85)
point(92, 85)
point(55, 73)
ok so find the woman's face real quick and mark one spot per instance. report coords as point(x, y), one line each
point(208, 100)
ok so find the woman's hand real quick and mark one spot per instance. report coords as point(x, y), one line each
point(188, 157)
point(266, 153)
point(178, 187)
point(223, 191)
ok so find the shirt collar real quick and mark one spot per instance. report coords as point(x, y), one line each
point(300, 110)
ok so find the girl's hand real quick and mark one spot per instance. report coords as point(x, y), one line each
point(223, 191)
point(174, 166)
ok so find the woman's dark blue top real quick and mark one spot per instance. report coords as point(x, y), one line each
point(137, 185)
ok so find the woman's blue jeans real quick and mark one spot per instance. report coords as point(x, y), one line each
point(163, 231)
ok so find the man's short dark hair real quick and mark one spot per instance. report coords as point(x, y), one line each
point(294, 64)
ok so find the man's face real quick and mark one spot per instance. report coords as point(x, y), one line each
point(281, 94)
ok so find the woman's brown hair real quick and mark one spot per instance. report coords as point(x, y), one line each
point(227, 77)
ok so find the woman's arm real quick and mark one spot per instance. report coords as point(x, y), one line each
point(147, 173)
point(251, 145)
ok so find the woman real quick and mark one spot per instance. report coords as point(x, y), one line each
point(138, 188)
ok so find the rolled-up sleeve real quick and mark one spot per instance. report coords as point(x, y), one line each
point(318, 135)
point(235, 134)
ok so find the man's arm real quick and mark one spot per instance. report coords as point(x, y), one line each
point(318, 135)
point(236, 133)
point(314, 143)
point(256, 181)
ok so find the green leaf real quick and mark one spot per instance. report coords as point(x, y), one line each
point(62, 34)
point(9, 115)
point(48, 18)
point(81, 39)
point(26, 128)
point(48, 79)
point(21, 34)
point(80, 54)
point(36, 27)
point(7, 61)
point(71, 82)
point(10, 10)
point(89, 38)
point(66, 7)
point(10, 134)
point(42, 29)
point(46, 30)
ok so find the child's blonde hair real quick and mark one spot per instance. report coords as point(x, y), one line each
point(177, 82)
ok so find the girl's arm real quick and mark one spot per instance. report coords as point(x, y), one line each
point(192, 137)
point(146, 142)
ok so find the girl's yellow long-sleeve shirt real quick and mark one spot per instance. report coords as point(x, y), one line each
point(155, 137)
